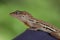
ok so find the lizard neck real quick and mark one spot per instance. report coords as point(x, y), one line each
point(43, 27)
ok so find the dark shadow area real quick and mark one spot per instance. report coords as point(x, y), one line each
point(34, 35)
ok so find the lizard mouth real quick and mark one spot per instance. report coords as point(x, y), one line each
point(12, 14)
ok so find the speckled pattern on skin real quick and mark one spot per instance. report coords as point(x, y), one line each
point(32, 22)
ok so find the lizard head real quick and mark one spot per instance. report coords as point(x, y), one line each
point(21, 15)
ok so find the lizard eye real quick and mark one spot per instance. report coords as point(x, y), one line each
point(18, 12)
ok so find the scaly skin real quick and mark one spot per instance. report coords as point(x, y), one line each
point(35, 24)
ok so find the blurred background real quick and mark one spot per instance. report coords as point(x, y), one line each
point(47, 10)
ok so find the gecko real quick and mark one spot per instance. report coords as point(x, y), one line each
point(35, 24)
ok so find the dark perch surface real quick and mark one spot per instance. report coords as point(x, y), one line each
point(34, 35)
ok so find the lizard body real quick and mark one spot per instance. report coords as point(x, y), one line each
point(35, 24)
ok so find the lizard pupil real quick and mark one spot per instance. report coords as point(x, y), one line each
point(17, 13)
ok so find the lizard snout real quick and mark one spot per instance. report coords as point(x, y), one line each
point(17, 12)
